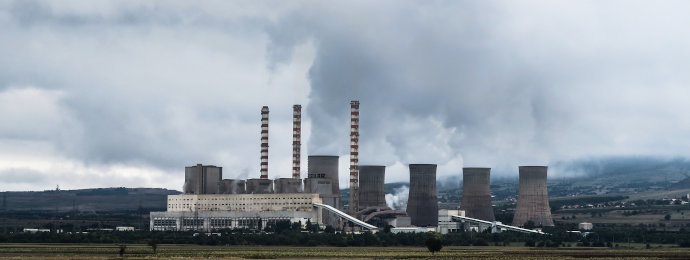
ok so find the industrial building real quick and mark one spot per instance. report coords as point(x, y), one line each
point(476, 194)
point(208, 211)
point(202, 179)
point(533, 198)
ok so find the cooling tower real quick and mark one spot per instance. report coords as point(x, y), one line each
point(288, 185)
point(324, 167)
point(231, 186)
point(259, 186)
point(422, 204)
point(476, 195)
point(371, 186)
point(533, 199)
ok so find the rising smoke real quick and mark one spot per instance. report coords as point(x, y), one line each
point(398, 199)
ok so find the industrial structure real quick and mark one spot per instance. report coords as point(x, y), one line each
point(202, 179)
point(259, 186)
point(354, 157)
point(533, 198)
point(476, 194)
point(371, 188)
point(210, 202)
point(287, 185)
point(264, 142)
point(232, 186)
point(422, 203)
point(296, 140)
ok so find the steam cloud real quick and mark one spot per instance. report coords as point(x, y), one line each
point(398, 199)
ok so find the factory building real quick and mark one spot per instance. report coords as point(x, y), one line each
point(533, 198)
point(232, 186)
point(476, 194)
point(287, 185)
point(422, 204)
point(322, 169)
point(202, 179)
point(209, 212)
point(259, 186)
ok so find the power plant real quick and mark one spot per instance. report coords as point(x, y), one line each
point(533, 198)
point(476, 194)
point(422, 204)
point(210, 202)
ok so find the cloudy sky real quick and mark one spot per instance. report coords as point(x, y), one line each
point(127, 93)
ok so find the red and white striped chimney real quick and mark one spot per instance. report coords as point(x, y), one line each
point(264, 142)
point(296, 139)
point(354, 156)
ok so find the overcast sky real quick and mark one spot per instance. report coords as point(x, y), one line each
point(127, 93)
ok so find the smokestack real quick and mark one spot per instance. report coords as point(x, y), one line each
point(476, 194)
point(371, 186)
point(354, 156)
point(264, 142)
point(533, 199)
point(422, 204)
point(296, 139)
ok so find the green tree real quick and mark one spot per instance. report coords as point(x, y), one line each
point(433, 244)
point(153, 243)
point(123, 247)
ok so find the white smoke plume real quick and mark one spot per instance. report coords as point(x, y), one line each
point(398, 199)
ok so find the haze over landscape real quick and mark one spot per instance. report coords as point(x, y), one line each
point(127, 93)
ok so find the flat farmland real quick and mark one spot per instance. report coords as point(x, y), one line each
point(111, 251)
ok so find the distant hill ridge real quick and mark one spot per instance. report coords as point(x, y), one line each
point(97, 199)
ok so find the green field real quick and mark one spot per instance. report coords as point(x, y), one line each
point(111, 251)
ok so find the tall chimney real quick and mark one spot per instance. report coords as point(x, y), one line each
point(296, 139)
point(264, 142)
point(354, 156)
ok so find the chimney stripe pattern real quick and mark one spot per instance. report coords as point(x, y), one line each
point(533, 199)
point(476, 194)
point(264, 142)
point(296, 140)
point(354, 156)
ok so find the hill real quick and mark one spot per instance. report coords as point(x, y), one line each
point(99, 199)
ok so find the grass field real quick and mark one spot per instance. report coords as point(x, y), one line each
point(111, 251)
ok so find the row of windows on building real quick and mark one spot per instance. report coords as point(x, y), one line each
point(175, 205)
point(214, 222)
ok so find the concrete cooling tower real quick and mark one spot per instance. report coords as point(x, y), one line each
point(533, 199)
point(259, 186)
point(231, 186)
point(476, 195)
point(371, 186)
point(422, 204)
point(288, 185)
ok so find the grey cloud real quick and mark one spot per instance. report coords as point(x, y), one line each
point(512, 94)
point(489, 83)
